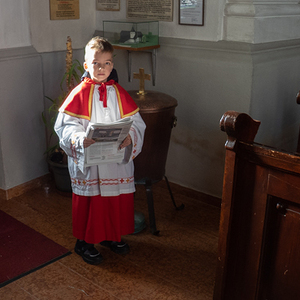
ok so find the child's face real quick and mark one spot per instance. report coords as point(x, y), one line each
point(99, 65)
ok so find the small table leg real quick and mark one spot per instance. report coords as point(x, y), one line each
point(149, 194)
point(171, 194)
point(153, 66)
point(129, 66)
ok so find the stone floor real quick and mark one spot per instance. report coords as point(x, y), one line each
point(179, 263)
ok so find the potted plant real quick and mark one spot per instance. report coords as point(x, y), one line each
point(56, 157)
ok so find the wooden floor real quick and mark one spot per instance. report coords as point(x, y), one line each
point(178, 264)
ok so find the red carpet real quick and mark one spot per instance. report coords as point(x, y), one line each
point(24, 250)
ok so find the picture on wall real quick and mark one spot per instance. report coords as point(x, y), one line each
point(191, 12)
point(159, 10)
point(108, 5)
point(64, 10)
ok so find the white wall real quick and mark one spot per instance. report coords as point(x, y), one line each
point(14, 24)
point(27, 22)
point(21, 128)
point(251, 21)
point(275, 85)
point(261, 21)
point(212, 31)
point(51, 35)
point(246, 73)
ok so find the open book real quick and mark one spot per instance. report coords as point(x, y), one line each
point(108, 138)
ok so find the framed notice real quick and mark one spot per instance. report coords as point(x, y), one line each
point(64, 10)
point(159, 10)
point(191, 12)
point(108, 5)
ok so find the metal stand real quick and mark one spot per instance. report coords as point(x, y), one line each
point(153, 61)
point(149, 194)
point(181, 207)
point(148, 186)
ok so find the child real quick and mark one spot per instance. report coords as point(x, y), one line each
point(102, 199)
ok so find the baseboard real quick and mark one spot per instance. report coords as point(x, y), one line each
point(178, 189)
point(24, 187)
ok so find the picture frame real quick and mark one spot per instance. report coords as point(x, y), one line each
point(191, 12)
point(150, 10)
point(108, 5)
point(64, 10)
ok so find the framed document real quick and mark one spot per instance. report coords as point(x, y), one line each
point(159, 10)
point(108, 5)
point(64, 10)
point(191, 12)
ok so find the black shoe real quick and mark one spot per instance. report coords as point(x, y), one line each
point(117, 247)
point(88, 253)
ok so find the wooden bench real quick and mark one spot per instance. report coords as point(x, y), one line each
point(259, 237)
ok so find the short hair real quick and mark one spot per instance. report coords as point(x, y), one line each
point(99, 44)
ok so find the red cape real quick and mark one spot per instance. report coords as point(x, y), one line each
point(79, 102)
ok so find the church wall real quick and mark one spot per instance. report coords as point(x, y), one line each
point(2, 177)
point(255, 71)
point(207, 79)
point(21, 128)
point(51, 35)
point(261, 21)
point(210, 78)
point(14, 29)
point(26, 32)
point(211, 31)
point(276, 82)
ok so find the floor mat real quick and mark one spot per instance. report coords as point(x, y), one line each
point(24, 250)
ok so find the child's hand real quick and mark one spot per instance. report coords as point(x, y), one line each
point(88, 142)
point(127, 141)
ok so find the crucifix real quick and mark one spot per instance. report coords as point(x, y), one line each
point(142, 77)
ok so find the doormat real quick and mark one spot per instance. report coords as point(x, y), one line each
point(24, 250)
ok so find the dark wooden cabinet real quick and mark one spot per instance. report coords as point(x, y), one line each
point(259, 239)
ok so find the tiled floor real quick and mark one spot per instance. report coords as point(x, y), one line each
point(178, 264)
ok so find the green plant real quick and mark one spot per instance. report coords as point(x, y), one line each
point(72, 77)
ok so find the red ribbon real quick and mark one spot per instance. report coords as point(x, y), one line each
point(103, 91)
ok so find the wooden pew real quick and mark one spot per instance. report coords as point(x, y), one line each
point(259, 238)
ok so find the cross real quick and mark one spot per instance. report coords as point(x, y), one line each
point(142, 77)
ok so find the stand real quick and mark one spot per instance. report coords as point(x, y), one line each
point(149, 194)
point(149, 49)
